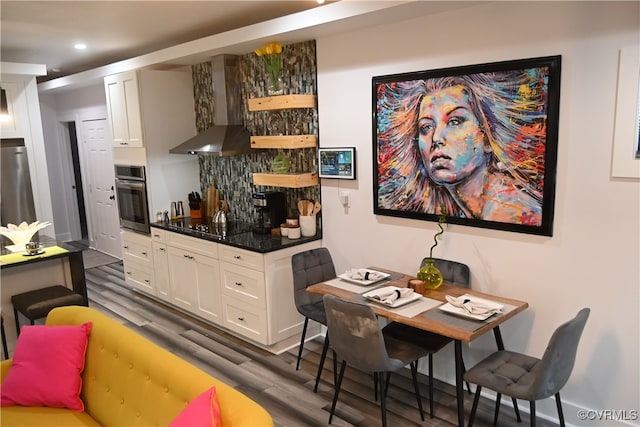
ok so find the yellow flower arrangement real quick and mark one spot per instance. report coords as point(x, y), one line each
point(271, 54)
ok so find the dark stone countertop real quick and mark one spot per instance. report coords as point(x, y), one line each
point(240, 237)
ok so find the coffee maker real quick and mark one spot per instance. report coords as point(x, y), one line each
point(271, 210)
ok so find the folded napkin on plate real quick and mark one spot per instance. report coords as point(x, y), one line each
point(392, 294)
point(362, 274)
point(472, 307)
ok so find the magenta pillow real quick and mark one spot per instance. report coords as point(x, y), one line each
point(47, 365)
point(203, 411)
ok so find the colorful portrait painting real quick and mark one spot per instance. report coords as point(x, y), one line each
point(477, 142)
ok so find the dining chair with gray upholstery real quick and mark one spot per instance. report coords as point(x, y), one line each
point(311, 267)
point(454, 273)
point(525, 377)
point(356, 338)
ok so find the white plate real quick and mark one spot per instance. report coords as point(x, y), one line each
point(397, 303)
point(15, 248)
point(345, 276)
point(464, 313)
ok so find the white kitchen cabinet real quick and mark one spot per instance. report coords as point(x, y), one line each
point(194, 276)
point(160, 265)
point(249, 294)
point(257, 295)
point(123, 107)
point(137, 258)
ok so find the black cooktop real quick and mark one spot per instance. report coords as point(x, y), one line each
point(204, 227)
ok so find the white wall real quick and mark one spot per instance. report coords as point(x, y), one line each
point(591, 260)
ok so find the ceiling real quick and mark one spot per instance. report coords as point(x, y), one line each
point(44, 32)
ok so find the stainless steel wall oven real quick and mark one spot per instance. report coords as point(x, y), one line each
point(131, 190)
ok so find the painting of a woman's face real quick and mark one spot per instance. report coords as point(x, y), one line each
point(450, 139)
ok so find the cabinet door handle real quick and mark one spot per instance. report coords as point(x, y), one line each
point(128, 273)
point(237, 257)
point(144, 253)
point(238, 283)
point(186, 256)
point(126, 247)
point(156, 236)
point(241, 319)
point(162, 249)
point(147, 280)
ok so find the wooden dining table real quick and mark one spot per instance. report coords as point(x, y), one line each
point(432, 319)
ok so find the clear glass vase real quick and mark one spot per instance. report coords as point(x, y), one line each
point(275, 86)
point(430, 275)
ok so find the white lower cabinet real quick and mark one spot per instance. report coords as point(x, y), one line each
point(194, 276)
point(138, 261)
point(161, 271)
point(247, 293)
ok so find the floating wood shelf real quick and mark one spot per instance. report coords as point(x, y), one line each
point(282, 102)
point(286, 180)
point(284, 141)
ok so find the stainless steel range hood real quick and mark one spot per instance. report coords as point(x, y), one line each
point(227, 136)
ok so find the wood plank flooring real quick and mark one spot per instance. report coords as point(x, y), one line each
point(272, 380)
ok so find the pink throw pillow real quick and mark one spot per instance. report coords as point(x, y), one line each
point(47, 365)
point(203, 411)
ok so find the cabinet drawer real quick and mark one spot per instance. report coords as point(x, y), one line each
point(139, 276)
point(137, 248)
point(158, 235)
point(245, 320)
point(242, 257)
point(243, 283)
point(192, 244)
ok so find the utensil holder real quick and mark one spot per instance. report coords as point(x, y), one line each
point(307, 225)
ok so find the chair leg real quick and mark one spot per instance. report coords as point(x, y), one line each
point(476, 399)
point(304, 333)
point(515, 408)
point(4, 342)
point(335, 367)
point(532, 410)
point(559, 405)
point(431, 385)
point(325, 347)
point(375, 386)
point(337, 390)
point(17, 320)
point(464, 369)
point(497, 409)
point(414, 374)
point(383, 398)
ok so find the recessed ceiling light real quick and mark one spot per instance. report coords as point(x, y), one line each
point(80, 46)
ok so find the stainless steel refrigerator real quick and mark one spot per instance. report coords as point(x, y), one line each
point(16, 200)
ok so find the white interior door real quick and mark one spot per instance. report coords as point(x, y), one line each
point(104, 223)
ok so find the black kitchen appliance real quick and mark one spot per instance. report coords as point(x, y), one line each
point(271, 210)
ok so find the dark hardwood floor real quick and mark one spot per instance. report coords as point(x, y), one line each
point(272, 380)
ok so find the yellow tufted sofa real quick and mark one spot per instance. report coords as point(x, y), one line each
point(130, 381)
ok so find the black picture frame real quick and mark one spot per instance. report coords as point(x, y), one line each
point(337, 162)
point(479, 141)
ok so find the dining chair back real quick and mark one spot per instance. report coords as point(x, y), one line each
point(310, 267)
point(525, 377)
point(356, 337)
point(454, 273)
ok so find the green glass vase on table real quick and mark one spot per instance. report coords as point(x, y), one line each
point(429, 273)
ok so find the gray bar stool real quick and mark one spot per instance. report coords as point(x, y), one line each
point(38, 303)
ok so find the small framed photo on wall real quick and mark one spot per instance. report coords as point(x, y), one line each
point(337, 162)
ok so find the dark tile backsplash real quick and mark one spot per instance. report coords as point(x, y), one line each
point(233, 175)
